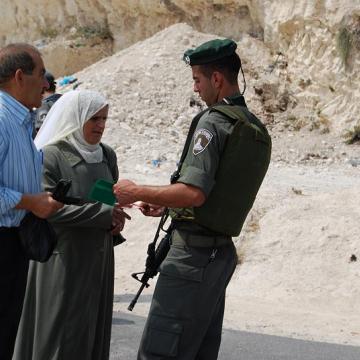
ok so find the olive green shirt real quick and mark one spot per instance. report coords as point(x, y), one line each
point(202, 159)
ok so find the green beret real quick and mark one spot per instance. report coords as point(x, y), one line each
point(210, 51)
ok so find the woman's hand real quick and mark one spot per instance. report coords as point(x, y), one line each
point(119, 217)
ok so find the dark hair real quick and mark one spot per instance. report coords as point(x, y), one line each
point(229, 66)
point(51, 88)
point(14, 57)
point(51, 80)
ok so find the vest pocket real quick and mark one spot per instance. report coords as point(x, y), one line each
point(163, 336)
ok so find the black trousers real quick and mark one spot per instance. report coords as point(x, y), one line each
point(13, 275)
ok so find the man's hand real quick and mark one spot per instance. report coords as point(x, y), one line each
point(150, 209)
point(119, 217)
point(124, 191)
point(177, 195)
point(41, 204)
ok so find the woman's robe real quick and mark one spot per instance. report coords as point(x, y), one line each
point(68, 304)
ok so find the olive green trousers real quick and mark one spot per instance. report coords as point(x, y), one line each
point(187, 309)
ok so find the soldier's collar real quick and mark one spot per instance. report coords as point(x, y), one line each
point(236, 99)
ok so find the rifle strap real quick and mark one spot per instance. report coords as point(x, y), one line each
point(191, 132)
point(162, 222)
point(189, 137)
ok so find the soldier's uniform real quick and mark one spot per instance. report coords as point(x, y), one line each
point(46, 103)
point(227, 159)
point(43, 110)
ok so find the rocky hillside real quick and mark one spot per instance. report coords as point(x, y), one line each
point(308, 77)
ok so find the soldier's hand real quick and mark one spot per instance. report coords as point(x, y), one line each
point(124, 191)
point(150, 209)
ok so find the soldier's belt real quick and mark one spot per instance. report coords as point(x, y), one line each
point(184, 237)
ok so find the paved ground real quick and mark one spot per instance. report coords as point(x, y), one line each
point(236, 345)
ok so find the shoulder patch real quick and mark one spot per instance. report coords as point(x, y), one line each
point(202, 139)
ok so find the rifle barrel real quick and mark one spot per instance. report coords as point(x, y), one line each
point(135, 299)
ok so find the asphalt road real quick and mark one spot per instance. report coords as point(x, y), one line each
point(236, 345)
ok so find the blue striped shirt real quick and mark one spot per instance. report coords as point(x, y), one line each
point(20, 162)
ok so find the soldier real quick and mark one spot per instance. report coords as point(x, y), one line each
point(219, 175)
point(49, 98)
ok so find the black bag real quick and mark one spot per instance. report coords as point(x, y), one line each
point(38, 238)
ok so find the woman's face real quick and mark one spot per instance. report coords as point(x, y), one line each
point(93, 128)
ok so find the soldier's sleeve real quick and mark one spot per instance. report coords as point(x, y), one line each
point(204, 154)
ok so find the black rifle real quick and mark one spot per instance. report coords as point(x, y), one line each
point(156, 256)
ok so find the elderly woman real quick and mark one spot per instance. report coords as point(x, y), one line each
point(69, 299)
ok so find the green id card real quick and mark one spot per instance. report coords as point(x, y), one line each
point(102, 191)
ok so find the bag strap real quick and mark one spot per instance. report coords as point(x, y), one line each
point(107, 157)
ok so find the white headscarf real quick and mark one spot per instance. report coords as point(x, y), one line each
point(66, 119)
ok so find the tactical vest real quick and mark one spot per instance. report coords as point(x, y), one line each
point(242, 168)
